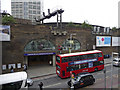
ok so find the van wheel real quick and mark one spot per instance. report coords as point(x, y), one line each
point(96, 69)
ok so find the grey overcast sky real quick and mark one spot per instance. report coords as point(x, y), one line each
point(96, 12)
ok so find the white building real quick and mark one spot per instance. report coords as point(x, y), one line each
point(26, 9)
point(119, 14)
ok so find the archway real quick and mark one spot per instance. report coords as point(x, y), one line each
point(74, 44)
point(38, 52)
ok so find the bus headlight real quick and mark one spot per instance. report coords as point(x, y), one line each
point(58, 71)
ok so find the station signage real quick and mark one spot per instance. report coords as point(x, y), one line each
point(35, 54)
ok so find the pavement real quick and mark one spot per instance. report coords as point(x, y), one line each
point(40, 71)
point(47, 70)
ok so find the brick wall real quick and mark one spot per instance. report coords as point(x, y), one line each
point(21, 34)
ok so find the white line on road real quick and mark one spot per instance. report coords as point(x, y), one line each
point(51, 85)
point(107, 65)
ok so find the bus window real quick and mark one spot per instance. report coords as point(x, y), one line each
point(95, 55)
point(99, 55)
point(58, 66)
point(95, 63)
point(74, 58)
point(76, 67)
point(68, 68)
point(90, 56)
point(69, 59)
point(65, 59)
point(77, 57)
point(85, 65)
point(84, 57)
point(72, 68)
point(81, 57)
point(58, 59)
point(98, 63)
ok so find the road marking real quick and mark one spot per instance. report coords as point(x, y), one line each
point(107, 77)
point(115, 75)
point(99, 79)
point(107, 65)
point(51, 85)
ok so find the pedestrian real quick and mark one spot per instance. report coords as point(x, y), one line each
point(11, 69)
point(25, 67)
point(40, 85)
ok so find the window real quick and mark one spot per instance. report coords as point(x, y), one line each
point(40, 44)
point(65, 59)
point(38, 2)
point(34, 12)
point(58, 59)
point(90, 56)
point(69, 59)
point(77, 57)
point(68, 69)
point(38, 7)
point(38, 12)
point(30, 11)
point(30, 6)
point(34, 7)
point(98, 63)
point(74, 67)
point(99, 55)
point(58, 66)
point(30, 2)
point(74, 58)
point(34, 2)
point(95, 63)
point(84, 65)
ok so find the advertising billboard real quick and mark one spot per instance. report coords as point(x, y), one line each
point(115, 41)
point(102, 41)
point(4, 33)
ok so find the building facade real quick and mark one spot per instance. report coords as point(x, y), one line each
point(36, 45)
point(26, 9)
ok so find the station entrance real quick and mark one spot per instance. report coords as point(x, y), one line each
point(39, 60)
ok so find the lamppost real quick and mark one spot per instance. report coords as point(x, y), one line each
point(71, 41)
point(113, 53)
point(104, 77)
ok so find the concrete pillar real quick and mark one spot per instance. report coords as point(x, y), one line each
point(54, 60)
point(0, 61)
point(0, 47)
point(26, 60)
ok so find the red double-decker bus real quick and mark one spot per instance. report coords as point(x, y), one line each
point(88, 61)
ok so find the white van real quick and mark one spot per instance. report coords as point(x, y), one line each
point(116, 62)
point(13, 81)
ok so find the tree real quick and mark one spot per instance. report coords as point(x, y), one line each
point(86, 25)
point(7, 19)
point(114, 28)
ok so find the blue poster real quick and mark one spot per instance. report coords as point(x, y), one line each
point(90, 64)
point(103, 41)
